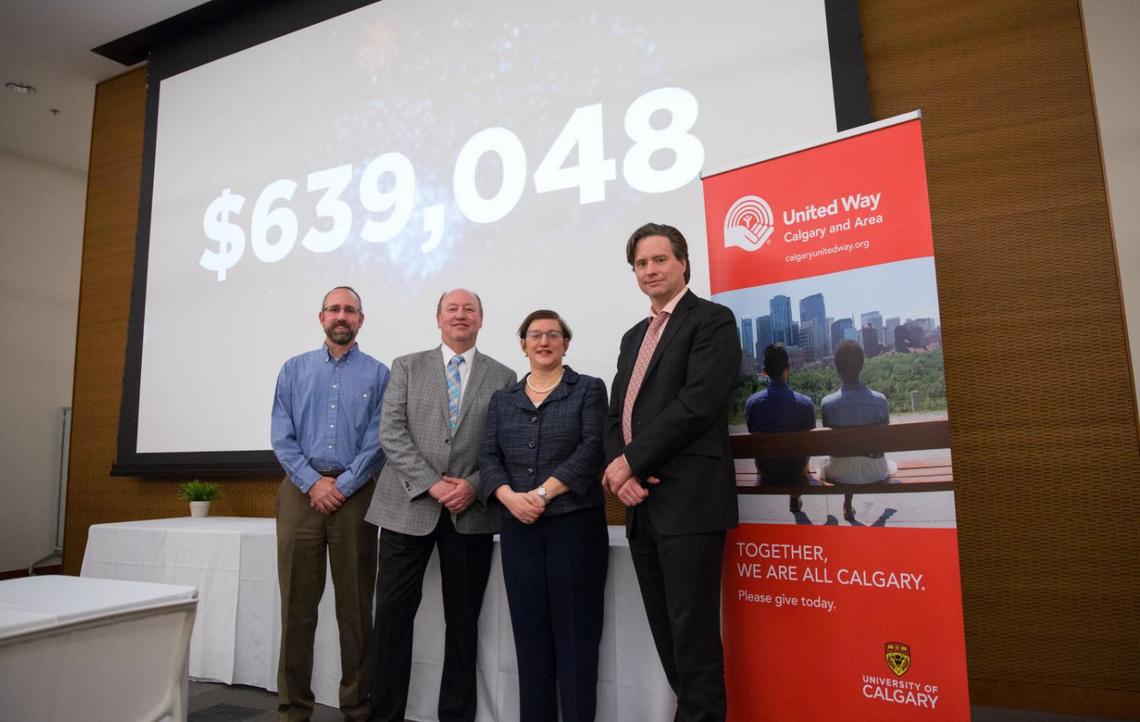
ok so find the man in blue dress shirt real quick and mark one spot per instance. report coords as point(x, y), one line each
point(778, 408)
point(325, 433)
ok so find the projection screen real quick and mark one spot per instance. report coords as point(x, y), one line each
point(412, 146)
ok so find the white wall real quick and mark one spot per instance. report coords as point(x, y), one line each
point(41, 242)
point(1112, 28)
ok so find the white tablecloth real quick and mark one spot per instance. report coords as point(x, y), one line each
point(73, 648)
point(232, 562)
point(46, 601)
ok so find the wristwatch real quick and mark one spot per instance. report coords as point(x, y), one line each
point(540, 490)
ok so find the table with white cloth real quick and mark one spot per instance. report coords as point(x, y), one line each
point(233, 563)
point(74, 648)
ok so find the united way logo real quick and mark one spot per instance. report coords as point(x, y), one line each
point(898, 657)
point(748, 224)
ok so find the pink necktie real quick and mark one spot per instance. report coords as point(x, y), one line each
point(648, 345)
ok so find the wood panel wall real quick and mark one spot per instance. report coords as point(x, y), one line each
point(93, 495)
point(1040, 392)
point(1043, 416)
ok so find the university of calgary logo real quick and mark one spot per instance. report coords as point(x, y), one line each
point(748, 224)
point(898, 657)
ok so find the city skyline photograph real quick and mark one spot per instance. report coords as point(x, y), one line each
point(903, 289)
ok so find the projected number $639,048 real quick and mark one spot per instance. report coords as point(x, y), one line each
point(582, 131)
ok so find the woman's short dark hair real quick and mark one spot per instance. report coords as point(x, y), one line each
point(543, 314)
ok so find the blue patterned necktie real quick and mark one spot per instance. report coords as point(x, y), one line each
point(454, 389)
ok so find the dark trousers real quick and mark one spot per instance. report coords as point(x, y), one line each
point(555, 575)
point(679, 576)
point(303, 536)
point(464, 565)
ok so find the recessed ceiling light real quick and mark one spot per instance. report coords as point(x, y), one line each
point(22, 88)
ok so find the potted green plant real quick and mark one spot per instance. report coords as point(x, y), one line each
point(199, 494)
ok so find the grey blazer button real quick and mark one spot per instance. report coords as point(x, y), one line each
point(530, 470)
point(530, 445)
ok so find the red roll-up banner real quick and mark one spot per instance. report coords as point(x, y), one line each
point(842, 596)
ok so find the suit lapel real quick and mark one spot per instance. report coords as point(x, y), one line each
point(677, 320)
point(562, 390)
point(471, 390)
point(632, 351)
point(627, 358)
point(519, 397)
point(434, 361)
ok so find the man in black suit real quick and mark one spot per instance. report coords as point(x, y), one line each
point(671, 464)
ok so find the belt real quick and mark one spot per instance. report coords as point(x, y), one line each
point(330, 472)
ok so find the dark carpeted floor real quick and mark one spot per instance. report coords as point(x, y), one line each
point(213, 702)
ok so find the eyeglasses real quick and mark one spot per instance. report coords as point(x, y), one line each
point(347, 310)
point(550, 335)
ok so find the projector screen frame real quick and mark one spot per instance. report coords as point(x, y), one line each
point(223, 27)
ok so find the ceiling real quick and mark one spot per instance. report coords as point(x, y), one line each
point(47, 44)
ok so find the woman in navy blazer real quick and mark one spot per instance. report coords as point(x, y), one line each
point(541, 458)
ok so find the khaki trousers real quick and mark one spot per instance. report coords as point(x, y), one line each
point(304, 536)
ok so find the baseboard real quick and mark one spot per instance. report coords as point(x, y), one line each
point(46, 569)
point(1114, 703)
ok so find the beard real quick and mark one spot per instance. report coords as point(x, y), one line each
point(340, 334)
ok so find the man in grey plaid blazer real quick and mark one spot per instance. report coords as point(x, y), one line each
point(427, 496)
